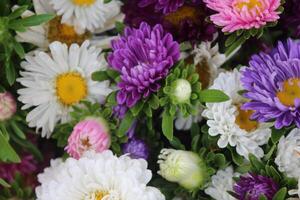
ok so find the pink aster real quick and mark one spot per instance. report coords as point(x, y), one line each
point(235, 15)
point(89, 134)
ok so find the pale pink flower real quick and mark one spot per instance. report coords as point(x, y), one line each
point(89, 134)
point(235, 15)
point(8, 106)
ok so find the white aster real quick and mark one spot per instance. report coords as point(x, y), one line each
point(56, 30)
point(221, 183)
point(208, 61)
point(54, 82)
point(97, 177)
point(288, 154)
point(91, 15)
point(232, 124)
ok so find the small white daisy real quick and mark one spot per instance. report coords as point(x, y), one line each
point(97, 177)
point(87, 14)
point(208, 61)
point(288, 154)
point(56, 81)
point(55, 30)
point(221, 183)
point(232, 123)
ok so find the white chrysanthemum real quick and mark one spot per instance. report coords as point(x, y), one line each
point(288, 154)
point(97, 177)
point(232, 123)
point(208, 61)
point(87, 14)
point(55, 30)
point(56, 81)
point(221, 183)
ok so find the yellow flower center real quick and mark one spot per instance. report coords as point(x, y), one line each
point(250, 4)
point(183, 13)
point(290, 92)
point(65, 33)
point(71, 87)
point(84, 2)
point(243, 120)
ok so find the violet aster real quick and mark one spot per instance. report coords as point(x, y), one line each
point(143, 57)
point(166, 6)
point(273, 85)
point(136, 148)
point(252, 186)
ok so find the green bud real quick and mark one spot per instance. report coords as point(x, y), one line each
point(181, 91)
point(183, 167)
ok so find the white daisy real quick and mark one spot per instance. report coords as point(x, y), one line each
point(221, 183)
point(87, 14)
point(55, 30)
point(208, 61)
point(56, 81)
point(97, 177)
point(288, 154)
point(233, 124)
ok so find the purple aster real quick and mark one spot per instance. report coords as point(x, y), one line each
point(273, 85)
point(187, 23)
point(136, 148)
point(166, 6)
point(251, 187)
point(143, 57)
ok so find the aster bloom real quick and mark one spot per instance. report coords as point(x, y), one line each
point(89, 134)
point(166, 6)
point(143, 57)
point(252, 186)
point(26, 167)
point(288, 154)
point(98, 176)
point(272, 84)
point(55, 81)
point(136, 148)
point(87, 14)
point(221, 183)
point(56, 30)
point(232, 124)
point(183, 167)
point(187, 23)
point(235, 15)
point(8, 106)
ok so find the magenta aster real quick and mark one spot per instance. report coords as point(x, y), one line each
point(243, 14)
point(143, 57)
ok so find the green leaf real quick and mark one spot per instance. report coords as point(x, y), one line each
point(33, 20)
point(17, 130)
point(176, 143)
point(19, 49)
point(195, 142)
point(281, 194)
point(7, 153)
point(107, 1)
point(167, 125)
point(277, 134)
point(185, 46)
point(137, 108)
point(235, 45)
point(154, 102)
point(125, 124)
point(237, 159)
point(212, 96)
point(18, 12)
point(230, 40)
point(10, 73)
point(100, 76)
point(262, 197)
point(120, 27)
point(4, 183)
point(256, 164)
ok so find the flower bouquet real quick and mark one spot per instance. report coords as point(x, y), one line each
point(149, 99)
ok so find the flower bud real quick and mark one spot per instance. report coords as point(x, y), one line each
point(89, 134)
point(181, 90)
point(183, 167)
point(8, 106)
